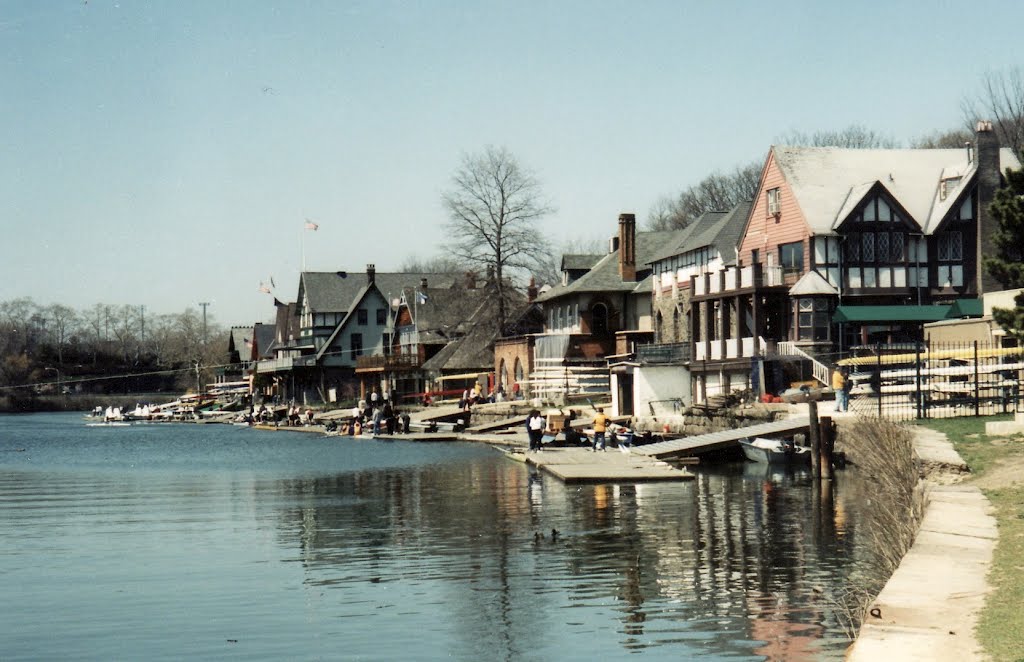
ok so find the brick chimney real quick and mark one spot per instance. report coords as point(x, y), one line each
point(423, 284)
point(470, 280)
point(371, 273)
point(987, 151)
point(531, 290)
point(627, 246)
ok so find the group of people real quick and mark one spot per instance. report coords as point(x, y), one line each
point(379, 414)
point(605, 432)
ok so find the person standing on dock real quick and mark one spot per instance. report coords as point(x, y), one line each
point(839, 387)
point(535, 425)
point(600, 426)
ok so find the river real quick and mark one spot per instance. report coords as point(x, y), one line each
point(163, 542)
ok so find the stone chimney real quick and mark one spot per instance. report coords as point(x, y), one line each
point(470, 280)
point(371, 273)
point(627, 247)
point(531, 290)
point(423, 284)
point(987, 153)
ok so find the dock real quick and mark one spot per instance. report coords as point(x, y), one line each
point(581, 465)
point(713, 441)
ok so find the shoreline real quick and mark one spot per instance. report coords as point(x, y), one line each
point(930, 606)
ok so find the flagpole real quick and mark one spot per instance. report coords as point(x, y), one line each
point(302, 246)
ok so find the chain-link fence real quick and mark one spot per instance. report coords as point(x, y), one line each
point(936, 380)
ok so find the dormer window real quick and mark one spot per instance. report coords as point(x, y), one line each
point(774, 204)
point(947, 186)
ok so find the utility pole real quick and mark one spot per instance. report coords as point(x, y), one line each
point(204, 304)
point(199, 387)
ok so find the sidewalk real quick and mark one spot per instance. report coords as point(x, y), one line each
point(929, 607)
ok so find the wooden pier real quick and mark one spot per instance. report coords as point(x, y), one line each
point(581, 465)
point(713, 441)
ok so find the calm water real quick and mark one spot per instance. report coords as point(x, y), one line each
point(210, 542)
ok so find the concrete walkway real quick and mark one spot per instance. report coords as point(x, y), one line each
point(929, 607)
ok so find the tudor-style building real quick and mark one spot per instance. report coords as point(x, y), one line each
point(337, 318)
point(846, 247)
point(599, 314)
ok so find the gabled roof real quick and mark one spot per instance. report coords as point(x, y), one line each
point(349, 314)
point(264, 338)
point(327, 292)
point(829, 182)
point(579, 262)
point(682, 244)
point(811, 283)
point(718, 230)
point(604, 276)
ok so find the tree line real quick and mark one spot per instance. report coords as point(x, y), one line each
point(44, 348)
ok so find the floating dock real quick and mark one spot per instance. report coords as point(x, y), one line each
point(581, 465)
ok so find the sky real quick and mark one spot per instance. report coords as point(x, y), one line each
point(167, 153)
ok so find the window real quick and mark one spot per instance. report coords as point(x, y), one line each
point(774, 206)
point(356, 345)
point(868, 245)
point(947, 186)
point(966, 212)
point(851, 248)
point(950, 246)
point(382, 316)
point(361, 317)
point(791, 257)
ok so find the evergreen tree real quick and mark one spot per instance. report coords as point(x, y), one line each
point(1007, 266)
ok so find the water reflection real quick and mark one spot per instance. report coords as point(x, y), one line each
point(431, 550)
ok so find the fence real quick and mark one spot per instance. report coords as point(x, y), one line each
point(937, 380)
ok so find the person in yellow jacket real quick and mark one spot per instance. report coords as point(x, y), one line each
point(600, 426)
point(839, 387)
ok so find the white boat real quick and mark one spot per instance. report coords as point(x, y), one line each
point(774, 451)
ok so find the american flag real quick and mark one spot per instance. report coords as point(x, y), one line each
point(310, 225)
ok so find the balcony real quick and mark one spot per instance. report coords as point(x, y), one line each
point(389, 363)
point(732, 279)
point(285, 363)
point(665, 354)
point(729, 348)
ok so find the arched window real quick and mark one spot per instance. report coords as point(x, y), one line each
point(659, 326)
point(503, 375)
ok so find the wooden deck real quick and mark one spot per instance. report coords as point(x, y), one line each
point(713, 441)
point(581, 465)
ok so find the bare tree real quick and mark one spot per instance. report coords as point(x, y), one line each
point(716, 192)
point(951, 139)
point(548, 271)
point(855, 136)
point(1001, 101)
point(63, 323)
point(493, 206)
point(437, 264)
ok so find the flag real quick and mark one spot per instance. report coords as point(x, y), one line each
point(421, 297)
point(248, 343)
point(310, 225)
point(264, 288)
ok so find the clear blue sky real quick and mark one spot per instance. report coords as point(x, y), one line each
point(164, 153)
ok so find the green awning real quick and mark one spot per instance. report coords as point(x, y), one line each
point(966, 308)
point(890, 313)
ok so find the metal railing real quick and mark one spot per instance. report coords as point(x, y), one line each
point(938, 380)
